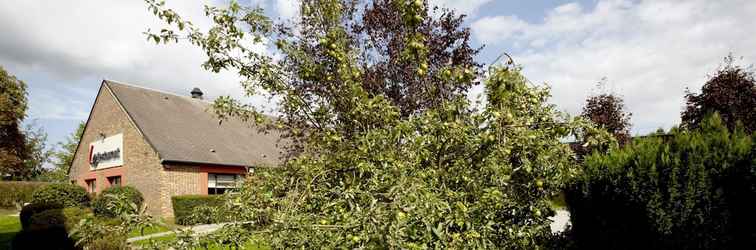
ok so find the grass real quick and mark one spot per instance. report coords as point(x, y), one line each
point(149, 230)
point(161, 239)
point(168, 238)
point(9, 227)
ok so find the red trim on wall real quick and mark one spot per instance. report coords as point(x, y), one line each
point(202, 183)
point(101, 177)
point(204, 170)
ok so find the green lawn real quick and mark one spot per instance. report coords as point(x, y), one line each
point(146, 242)
point(9, 226)
point(149, 230)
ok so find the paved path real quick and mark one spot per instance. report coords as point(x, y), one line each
point(198, 230)
point(560, 221)
point(558, 224)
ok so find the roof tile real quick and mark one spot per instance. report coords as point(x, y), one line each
point(184, 129)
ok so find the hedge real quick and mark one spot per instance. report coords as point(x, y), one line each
point(64, 195)
point(50, 229)
point(34, 208)
point(14, 193)
point(691, 190)
point(54, 238)
point(53, 196)
point(109, 242)
point(184, 205)
point(100, 204)
point(66, 218)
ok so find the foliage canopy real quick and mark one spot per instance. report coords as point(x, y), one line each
point(63, 157)
point(731, 92)
point(38, 153)
point(608, 111)
point(13, 106)
point(101, 205)
point(61, 195)
point(367, 170)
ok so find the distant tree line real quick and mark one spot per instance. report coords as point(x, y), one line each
point(690, 188)
point(24, 150)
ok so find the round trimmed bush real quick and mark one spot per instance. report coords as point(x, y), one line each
point(66, 218)
point(33, 208)
point(50, 228)
point(61, 195)
point(53, 238)
point(100, 204)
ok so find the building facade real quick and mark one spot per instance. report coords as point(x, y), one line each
point(165, 145)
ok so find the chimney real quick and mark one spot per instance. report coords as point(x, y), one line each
point(196, 93)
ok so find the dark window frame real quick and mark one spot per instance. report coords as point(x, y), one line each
point(115, 180)
point(91, 185)
point(216, 190)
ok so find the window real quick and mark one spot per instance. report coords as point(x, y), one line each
point(221, 183)
point(91, 185)
point(114, 181)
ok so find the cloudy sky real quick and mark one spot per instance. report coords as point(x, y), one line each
point(648, 51)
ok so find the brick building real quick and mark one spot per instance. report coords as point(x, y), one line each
point(165, 145)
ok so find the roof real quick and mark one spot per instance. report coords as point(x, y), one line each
point(185, 130)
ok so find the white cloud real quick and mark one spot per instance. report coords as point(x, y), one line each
point(68, 41)
point(491, 29)
point(469, 7)
point(649, 50)
point(287, 9)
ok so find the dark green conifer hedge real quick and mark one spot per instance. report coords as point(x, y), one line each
point(685, 190)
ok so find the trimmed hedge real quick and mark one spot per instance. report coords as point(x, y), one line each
point(109, 242)
point(100, 204)
point(50, 229)
point(54, 238)
point(66, 218)
point(691, 190)
point(62, 195)
point(53, 196)
point(206, 215)
point(34, 208)
point(18, 192)
point(184, 205)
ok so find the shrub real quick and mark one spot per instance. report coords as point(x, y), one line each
point(33, 208)
point(109, 242)
point(50, 228)
point(184, 205)
point(13, 193)
point(53, 238)
point(63, 195)
point(66, 218)
point(204, 214)
point(689, 190)
point(100, 204)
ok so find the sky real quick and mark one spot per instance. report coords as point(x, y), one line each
point(648, 52)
